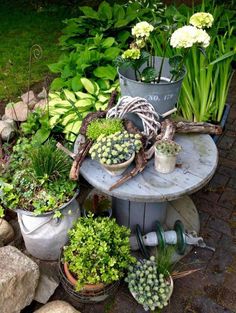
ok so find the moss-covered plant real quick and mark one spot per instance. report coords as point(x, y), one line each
point(116, 148)
point(148, 285)
point(37, 178)
point(104, 126)
point(168, 147)
point(98, 251)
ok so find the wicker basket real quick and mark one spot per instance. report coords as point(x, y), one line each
point(90, 296)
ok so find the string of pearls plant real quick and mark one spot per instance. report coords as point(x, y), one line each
point(144, 110)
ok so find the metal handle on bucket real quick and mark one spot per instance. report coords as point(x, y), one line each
point(31, 231)
point(123, 81)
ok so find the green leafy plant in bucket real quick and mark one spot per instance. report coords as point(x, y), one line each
point(98, 251)
point(37, 178)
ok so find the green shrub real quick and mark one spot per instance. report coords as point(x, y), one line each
point(98, 251)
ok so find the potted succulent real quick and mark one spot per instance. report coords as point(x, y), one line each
point(36, 185)
point(150, 287)
point(158, 78)
point(97, 203)
point(165, 155)
point(117, 151)
point(97, 254)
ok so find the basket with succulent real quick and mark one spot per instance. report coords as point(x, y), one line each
point(36, 185)
point(116, 151)
point(165, 155)
point(151, 287)
point(97, 255)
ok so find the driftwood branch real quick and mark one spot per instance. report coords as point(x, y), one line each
point(202, 128)
point(84, 148)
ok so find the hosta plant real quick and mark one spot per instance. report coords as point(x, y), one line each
point(149, 287)
point(67, 109)
point(98, 251)
point(168, 147)
point(116, 148)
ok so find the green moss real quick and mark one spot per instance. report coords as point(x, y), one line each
point(104, 127)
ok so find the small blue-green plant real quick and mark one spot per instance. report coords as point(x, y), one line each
point(150, 287)
point(168, 147)
point(116, 148)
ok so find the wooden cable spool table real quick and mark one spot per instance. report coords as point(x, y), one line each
point(152, 196)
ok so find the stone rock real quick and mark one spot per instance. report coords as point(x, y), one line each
point(18, 280)
point(57, 307)
point(41, 104)
point(29, 99)
point(7, 129)
point(6, 232)
point(46, 287)
point(17, 111)
point(43, 94)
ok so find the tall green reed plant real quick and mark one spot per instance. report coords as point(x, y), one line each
point(205, 87)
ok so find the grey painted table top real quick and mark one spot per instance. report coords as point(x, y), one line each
point(198, 160)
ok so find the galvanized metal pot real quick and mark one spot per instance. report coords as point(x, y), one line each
point(162, 96)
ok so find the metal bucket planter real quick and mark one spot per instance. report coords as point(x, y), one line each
point(162, 96)
point(44, 236)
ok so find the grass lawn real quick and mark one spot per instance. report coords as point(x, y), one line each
point(22, 26)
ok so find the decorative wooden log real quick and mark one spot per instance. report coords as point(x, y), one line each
point(202, 128)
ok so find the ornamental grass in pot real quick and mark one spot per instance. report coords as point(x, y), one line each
point(97, 254)
point(117, 151)
point(165, 155)
point(36, 185)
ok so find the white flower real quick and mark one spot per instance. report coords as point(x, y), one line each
point(142, 30)
point(201, 20)
point(203, 38)
point(184, 37)
point(187, 36)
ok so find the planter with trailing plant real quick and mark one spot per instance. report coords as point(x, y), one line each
point(98, 204)
point(165, 155)
point(97, 255)
point(36, 185)
point(116, 152)
point(157, 79)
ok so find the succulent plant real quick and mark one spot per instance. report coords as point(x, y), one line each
point(105, 126)
point(116, 148)
point(168, 147)
point(149, 287)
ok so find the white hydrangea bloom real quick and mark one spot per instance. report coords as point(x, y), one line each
point(187, 36)
point(203, 38)
point(201, 20)
point(142, 30)
point(184, 37)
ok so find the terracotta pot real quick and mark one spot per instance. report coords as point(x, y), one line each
point(87, 287)
point(118, 169)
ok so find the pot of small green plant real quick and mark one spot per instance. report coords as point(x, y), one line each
point(165, 155)
point(97, 203)
point(96, 256)
point(36, 185)
point(116, 152)
point(149, 284)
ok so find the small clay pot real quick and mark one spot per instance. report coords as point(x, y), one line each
point(118, 169)
point(87, 288)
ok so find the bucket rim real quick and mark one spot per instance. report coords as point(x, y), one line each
point(25, 212)
point(145, 84)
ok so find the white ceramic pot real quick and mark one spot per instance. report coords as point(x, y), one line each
point(118, 169)
point(164, 163)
